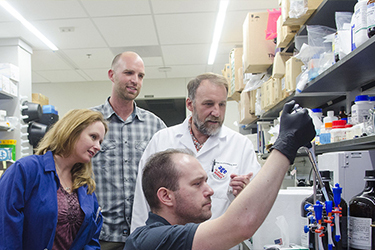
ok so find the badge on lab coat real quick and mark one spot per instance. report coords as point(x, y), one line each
point(221, 170)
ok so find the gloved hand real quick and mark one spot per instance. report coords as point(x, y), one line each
point(296, 130)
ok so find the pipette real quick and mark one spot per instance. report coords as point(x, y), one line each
point(311, 154)
point(310, 149)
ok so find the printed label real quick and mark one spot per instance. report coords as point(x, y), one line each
point(360, 232)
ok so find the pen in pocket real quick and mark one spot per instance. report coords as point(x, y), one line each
point(213, 165)
point(97, 213)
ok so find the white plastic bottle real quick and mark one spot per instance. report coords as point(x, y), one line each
point(330, 117)
point(359, 23)
point(360, 109)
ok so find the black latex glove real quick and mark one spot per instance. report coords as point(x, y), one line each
point(296, 130)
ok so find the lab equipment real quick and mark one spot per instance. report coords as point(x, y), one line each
point(348, 169)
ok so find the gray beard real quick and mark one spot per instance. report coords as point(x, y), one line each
point(202, 128)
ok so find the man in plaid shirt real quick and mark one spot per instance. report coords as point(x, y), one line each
point(116, 165)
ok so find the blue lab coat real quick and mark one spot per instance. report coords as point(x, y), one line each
point(28, 207)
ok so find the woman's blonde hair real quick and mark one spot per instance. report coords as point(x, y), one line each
point(61, 139)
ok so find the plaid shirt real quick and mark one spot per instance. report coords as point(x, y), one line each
point(116, 166)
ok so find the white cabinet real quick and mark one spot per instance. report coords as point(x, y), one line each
point(17, 52)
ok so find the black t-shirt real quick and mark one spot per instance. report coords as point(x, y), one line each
point(158, 234)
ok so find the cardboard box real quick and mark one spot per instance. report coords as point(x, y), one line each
point(267, 94)
point(244, 108)
point(292, 70)
point(278, 67)
point(11, 71)
point(226, 72)
point(258, 53)
point(312, 5)
point(277, 91)
point(253, 97)
point(40, 99)
point(235, 62)
point(271, 92)
point(285, 34)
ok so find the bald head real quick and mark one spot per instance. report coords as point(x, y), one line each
point(125, 56)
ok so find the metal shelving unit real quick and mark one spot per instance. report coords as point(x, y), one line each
point(352, 72)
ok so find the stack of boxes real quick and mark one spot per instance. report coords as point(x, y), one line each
point(257, 55)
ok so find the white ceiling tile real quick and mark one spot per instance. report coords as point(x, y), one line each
point(100, 74)
point(184, 6)
point(152, 61)
point(232, 29)
point(188, 71)
point(180, 37)
point(62, 76)
point(47, 60)
point(175, 29)
point(153, 73)
point(91, 58)
point(46, 9)
point(127, 31)
point(16, 29)
point(185, 54)
point(116, 8)
point(85, 34)
point(252, 5)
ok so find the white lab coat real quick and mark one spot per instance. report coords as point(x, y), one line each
point(231, 151)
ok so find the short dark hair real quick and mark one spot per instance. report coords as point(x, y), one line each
point(160, 171)
point(212, 77)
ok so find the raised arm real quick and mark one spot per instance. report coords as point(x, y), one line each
point(248, 211)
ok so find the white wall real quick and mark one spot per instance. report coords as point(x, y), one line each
point(67, 96)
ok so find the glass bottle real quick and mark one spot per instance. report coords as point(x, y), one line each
point(362, 216)
point(308, 239)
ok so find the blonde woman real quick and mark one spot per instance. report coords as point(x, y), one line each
point(47, 200)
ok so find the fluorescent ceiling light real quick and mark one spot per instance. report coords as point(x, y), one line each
point(217, 32)
point(28, 25)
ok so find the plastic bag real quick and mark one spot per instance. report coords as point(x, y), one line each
point(254, 81)
point(297, 8)
point(342, 41)
point(317, 37)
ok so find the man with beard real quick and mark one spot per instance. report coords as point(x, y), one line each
point(227, 156)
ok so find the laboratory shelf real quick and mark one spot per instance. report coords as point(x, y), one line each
point(361, 143)
point(354, 71)
point(325, 13)
point(305, 100)
point(5, 95)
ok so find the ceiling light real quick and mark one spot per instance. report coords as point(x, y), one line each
point(28, 25)
point(217, 32)
point(164, 69)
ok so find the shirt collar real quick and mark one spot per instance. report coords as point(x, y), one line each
point(196, 143)
point(153, 218)
point(108, 111)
